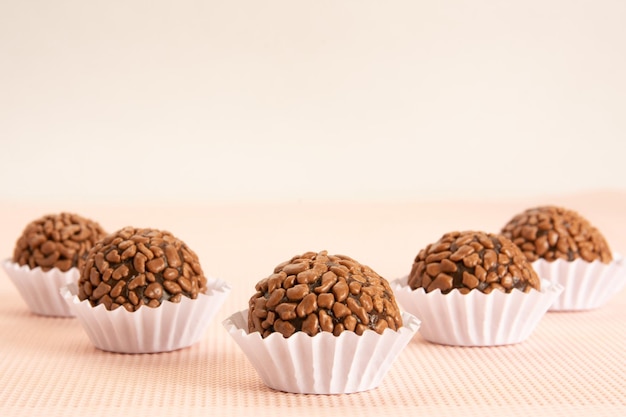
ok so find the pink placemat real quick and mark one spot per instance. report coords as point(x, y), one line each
point(574, 364)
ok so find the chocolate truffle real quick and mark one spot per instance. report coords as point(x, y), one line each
point(553, 233)
point(134, 267)
point(317, 292)
point(57, 241)
point(472, 260)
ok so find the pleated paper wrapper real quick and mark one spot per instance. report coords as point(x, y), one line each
point(587, 285)
point(324, 363)
point(40, 289)
point(170, 326)
point(476, 318)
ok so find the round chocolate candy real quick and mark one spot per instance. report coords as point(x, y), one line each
point(317, 292)
point(553, 233)
point(57, 241)
point(472, 260)
point(134, 267)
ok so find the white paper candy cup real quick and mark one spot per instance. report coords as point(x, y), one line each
point(40, 289)
point(476, 318)
point(324, 363)
point(170, 326)
point(587, 285)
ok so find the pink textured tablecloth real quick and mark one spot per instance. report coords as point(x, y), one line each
point(574, 364)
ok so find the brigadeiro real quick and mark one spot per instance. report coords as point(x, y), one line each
point(474, 288)
point(143, 290)
point(47, 256)
point(136, 267)
point(334, 319)
point(472, 260)
point(566, 248)
point(318, 292)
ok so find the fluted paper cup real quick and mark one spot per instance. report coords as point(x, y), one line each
point(324, 363)
point(170, 326)
point(587, 285)
point(40, 289)
point(476, 318)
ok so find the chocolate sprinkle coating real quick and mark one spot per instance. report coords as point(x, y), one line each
point(472, 260)
point(316, 292)
point(57, 241)
point(553, 233)
point(134, 267)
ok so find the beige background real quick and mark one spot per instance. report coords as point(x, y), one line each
point(237, 100)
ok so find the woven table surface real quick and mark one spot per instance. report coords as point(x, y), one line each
point(572, 364)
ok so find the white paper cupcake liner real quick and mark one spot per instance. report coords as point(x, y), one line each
point(324, 363)
point(476, 318)
point(170, 326)
point(40, 289)
point(587, 285)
